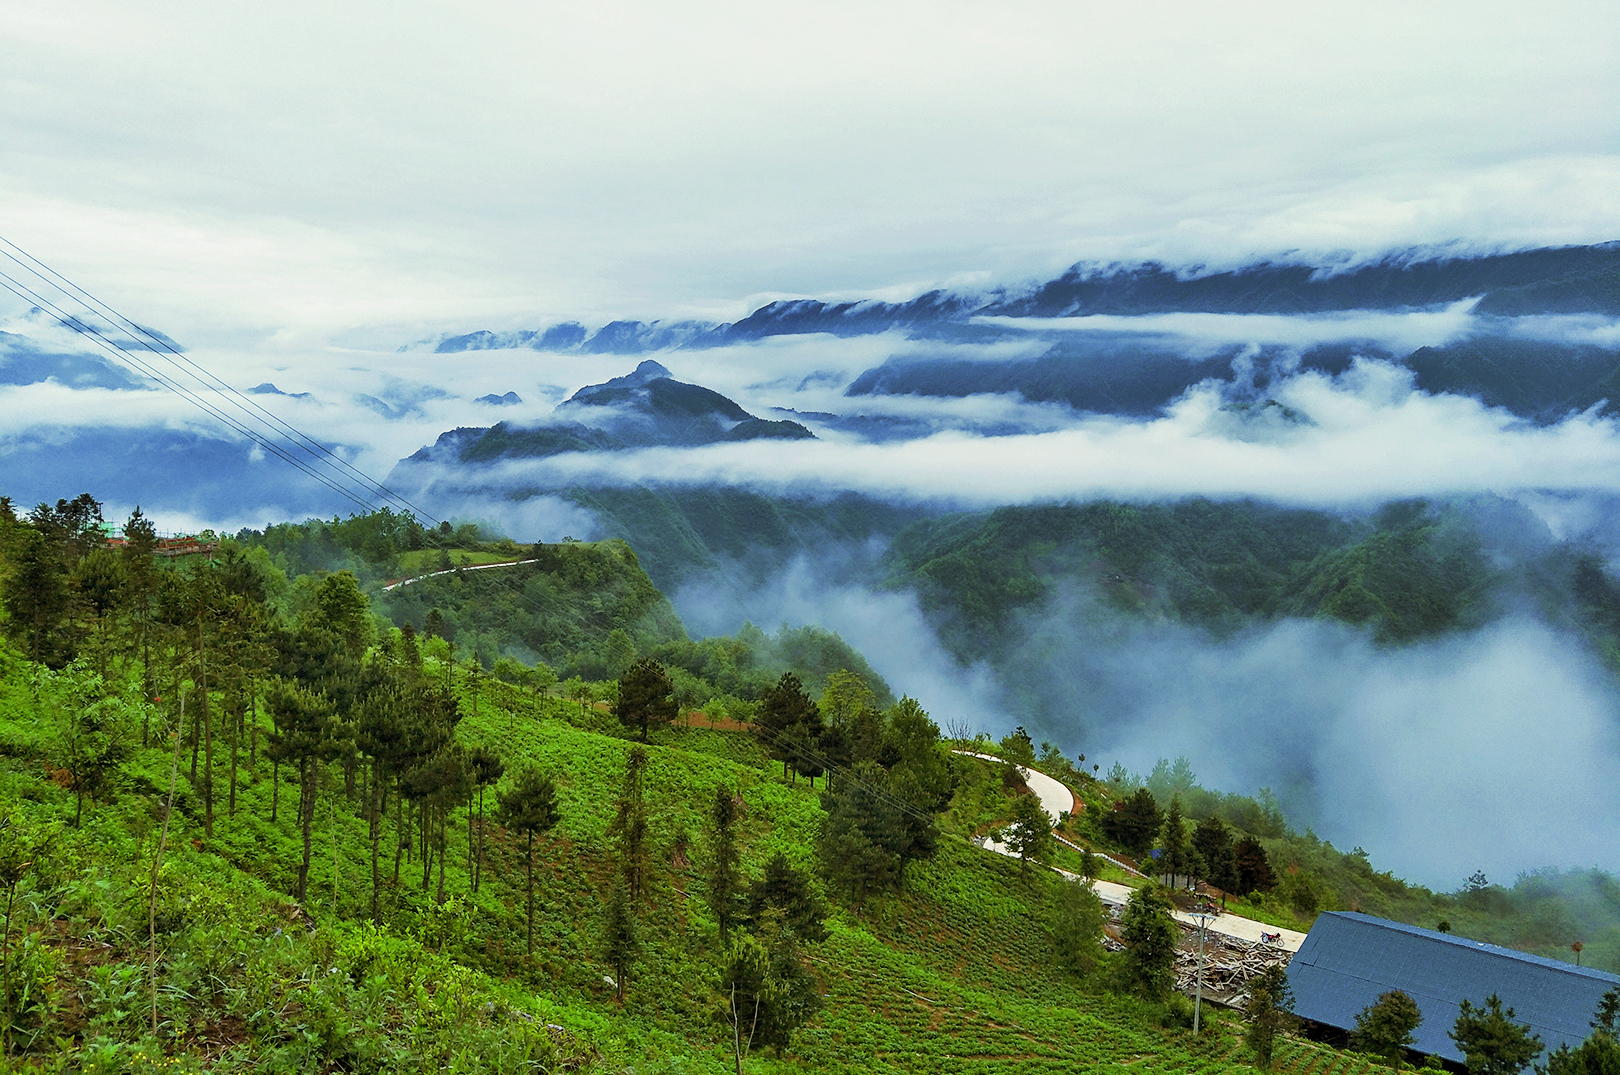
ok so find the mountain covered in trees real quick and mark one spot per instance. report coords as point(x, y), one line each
point(259, 814)
point(644, 408)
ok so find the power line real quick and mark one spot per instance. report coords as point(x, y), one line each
point(118, 351)
point(162, 348)
point(275, 435)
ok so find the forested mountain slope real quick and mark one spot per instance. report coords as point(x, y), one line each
point(246, 824)
point(1411, 570)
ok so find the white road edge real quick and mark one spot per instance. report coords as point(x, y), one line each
point(1056, 799)
point(453, 570)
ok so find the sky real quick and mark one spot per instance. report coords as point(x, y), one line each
point(297, 191)
point(292, 175)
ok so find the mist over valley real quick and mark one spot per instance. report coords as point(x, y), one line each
point(1316, 545)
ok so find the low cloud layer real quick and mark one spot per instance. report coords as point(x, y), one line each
point(1399, 332)
point(1497, 750)
point(1358, 438)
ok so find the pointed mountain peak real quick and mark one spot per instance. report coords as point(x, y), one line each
point(647, 371)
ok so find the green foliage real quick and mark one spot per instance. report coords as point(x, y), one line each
point(1137, 824)
point(1177, 860)
point(1599, 1054)
point(630, 825)
point(875, 826)
point(621, 941)
point(746, 665)
point(1253, 866)
point(529, 806)
point(1386, 1026)
point(766, 990)
point(722, 876)
point(783, 900)
point(562, 608)
point(95, 731)
point(646, 697)
point(1150, 937)
point(1491, 1041)
point(1030, 835)
point(1213, 845)
point(1269, 1010)
point(1076, 923)
point(1018, 748)
point(952, 970)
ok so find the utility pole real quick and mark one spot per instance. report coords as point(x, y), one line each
point(1203, 913)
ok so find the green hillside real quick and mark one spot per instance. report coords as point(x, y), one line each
point(248, 824)
point(1412, 570)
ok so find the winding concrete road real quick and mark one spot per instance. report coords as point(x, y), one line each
point(452, 571)
point(1056, 799)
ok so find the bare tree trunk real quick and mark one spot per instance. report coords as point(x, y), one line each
point(404, 840)
point(157, 862)
point(374, 815)
point(478, 869)
point(444, 824)
point(236, 740)
point(306, 810)
point(208, 741)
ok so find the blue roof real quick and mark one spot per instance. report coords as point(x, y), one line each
point(1349, 960)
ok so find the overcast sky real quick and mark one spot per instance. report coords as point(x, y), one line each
point(295, 189)
point(284, 174)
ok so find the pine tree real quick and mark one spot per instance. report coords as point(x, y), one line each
point(646, 697)
point(484, 768)
point(1150, 937)
point(872, 828)
point(621, 946)
point(1030, 834)
point(1136, 825)
point(786, 893)
point(722, 878)
point(1213, 844)
point(767, 991)
point(37, 599)
point(784, 707)
point(1386, 1026)
point(529, 807)
point(140, 540)
point(304, 730)
point(1491, 1040)
point(1269, 1011)
point(1077, 919)
point(1254, 873)
point(1177, 860)
point(630, 825)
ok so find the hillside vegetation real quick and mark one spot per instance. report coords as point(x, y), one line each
point(1413, 570)
point(249, 824)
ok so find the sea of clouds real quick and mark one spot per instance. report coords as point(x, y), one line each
point(1421, 754)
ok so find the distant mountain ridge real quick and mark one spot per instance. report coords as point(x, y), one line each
point(1561, 280)
point(643, 409)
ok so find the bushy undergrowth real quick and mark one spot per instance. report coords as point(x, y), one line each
point(949, 974)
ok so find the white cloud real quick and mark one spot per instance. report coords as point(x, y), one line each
point(1397, 331)
point(1370, 436)
point(298, 170)
point(1409, 753)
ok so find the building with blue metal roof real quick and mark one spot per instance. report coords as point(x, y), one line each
point(1349, 960)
